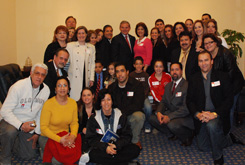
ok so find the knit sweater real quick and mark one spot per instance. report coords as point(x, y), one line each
point(143, 48)
point(56, 118)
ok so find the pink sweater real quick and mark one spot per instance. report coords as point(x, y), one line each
point(144, 49)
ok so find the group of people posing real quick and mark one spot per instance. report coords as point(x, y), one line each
point(92, 83)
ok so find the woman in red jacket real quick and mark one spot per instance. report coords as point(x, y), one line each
point(158, 80)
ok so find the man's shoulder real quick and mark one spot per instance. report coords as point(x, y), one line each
point(132, 82)
point(176, 51)
point(50, 65)
point(22, 82)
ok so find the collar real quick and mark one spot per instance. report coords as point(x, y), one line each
point(139, 41)
point(40, 86)
point(77, 44)
point(208, 75)
point(55, 67)
point(188, 50)
point(178, 81)
point(125, 36)
point(97, 74)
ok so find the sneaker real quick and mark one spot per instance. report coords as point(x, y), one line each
point(84, 159)
point(147, 130)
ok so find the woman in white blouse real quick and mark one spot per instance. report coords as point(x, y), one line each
point(82, 63)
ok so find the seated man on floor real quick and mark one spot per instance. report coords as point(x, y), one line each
point(20, 126)
point(172, 116)
point(128, 96)
point(209, 99)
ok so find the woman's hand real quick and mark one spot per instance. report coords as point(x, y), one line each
point(64, 141)
point(199, 49)
point(84, 131)
point(91, 83)
point(71, 141)
point(145, 68)
point(111, 149)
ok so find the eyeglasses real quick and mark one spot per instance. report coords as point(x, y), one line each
point(62, 85)
point(208, 43)
point(39, 74)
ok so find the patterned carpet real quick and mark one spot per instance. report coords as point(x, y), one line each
point(158, 150)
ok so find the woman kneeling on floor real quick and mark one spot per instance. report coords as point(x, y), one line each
point(118, 149)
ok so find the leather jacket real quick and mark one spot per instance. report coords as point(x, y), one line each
point(225, 61)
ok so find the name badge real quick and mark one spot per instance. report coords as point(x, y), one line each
point(99, 131)
point(140, 44)
point(130, 93)
point(155, 83)
point(178, 94)
point(215, 84)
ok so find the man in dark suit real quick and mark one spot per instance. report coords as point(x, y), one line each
point(122, 46)
point(56, 69)
point(186, 55)
point(103, 48)
point(172, 114)
point(209, 100)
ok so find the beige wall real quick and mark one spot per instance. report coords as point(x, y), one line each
point(8, 32)
point(37, 19)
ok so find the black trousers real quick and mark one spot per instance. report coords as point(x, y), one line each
point(123, 156)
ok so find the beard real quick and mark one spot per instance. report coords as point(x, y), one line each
point(175, 77)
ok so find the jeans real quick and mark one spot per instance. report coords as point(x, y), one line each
point(233, 109)
point(11, 138)
point(211, 137)
point(148, 112)
point(136, 121)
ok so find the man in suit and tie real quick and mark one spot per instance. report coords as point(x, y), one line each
point(172, 116)
point(186, 55)
point(56, 69)
point(122, 46)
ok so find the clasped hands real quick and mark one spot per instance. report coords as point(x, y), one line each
point(68, 140)
point(163, 119)
point(111, 149)
point(205, 116)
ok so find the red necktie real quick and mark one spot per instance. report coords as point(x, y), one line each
point(98, 86)
point(126, 37)
point(173, 88)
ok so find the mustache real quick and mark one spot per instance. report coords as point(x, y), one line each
point(184, 44)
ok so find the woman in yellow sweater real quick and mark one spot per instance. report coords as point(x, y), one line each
point(59, 114)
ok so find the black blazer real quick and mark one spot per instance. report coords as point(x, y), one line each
point(50, 51)
point(95, 81)
point(158, 53)
point(191, 64)
point(52, 77)
point(221, 96)
point(120, 51)
point(103, 52)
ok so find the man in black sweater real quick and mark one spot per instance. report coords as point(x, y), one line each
point(128, 96)
point(209, 100)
